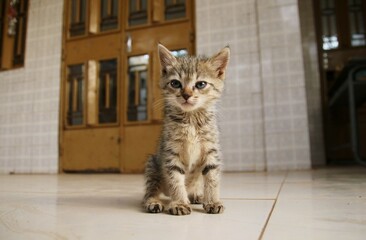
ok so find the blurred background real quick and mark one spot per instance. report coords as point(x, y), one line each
point(79, 81)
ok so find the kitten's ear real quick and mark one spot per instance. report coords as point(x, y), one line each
point(166, 57)
point(220, 62)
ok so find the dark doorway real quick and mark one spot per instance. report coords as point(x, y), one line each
point(341, 38)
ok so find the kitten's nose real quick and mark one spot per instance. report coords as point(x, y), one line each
point(186, 96)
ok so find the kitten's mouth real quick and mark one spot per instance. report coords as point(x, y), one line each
point(187, 104)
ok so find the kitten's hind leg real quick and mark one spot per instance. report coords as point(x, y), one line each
point(195, 188)
point(195, 199)
point(153, 177)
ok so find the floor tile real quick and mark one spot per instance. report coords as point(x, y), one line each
point(251, 185)
point(317, 219)
point(327, 190)
point(326, 183)
point(256, 177)
point(340, 174)
point(320, 204)
point(110, 216)
point(108, 207)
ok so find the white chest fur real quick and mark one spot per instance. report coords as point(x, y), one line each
point(192, 147)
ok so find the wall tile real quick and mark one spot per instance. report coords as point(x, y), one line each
point(234, 22)
point(312, 83)
point(29, 106)
point(283, 86)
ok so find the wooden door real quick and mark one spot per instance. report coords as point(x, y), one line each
point(91, 86)
point(111, 106)
point(341, 37)
point(148, 23)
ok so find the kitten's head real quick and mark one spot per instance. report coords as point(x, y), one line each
point(191, 83)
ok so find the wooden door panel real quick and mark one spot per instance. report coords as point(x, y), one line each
point(91, 150)
point(139, 142)
point(145, 41)
point(150, 37)
point(94, 48)
point(140, 137)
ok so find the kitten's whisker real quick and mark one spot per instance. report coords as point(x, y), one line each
point(160, 103)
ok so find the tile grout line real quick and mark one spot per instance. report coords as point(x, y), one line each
point(273, 206)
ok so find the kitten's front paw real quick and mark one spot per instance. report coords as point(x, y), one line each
point(179, 209)
point(214, 208)
point(154, 207)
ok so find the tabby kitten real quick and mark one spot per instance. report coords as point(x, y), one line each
point(187, 164)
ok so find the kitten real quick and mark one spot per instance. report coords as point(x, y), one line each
point(187, 164)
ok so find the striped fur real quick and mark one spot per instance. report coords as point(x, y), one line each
point(186, 166)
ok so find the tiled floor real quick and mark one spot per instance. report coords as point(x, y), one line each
point(318, 204)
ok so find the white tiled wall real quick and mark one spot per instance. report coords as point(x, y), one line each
point(264, 122)
point(312, 83)
point(270, 113)
point(29, 97)
point(285, 106)
point(234, 23)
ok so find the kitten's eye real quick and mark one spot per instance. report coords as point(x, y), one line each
point(201, 85)
point(175, 84)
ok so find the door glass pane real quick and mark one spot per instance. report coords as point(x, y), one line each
point(137, 88)
point(137, 12)
point(357, 23)
point(175, 9)
point(108, 91)
point(329, 27)
point(20, 32)
point(77, 17)
point(75, 94)
point(109, 14)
